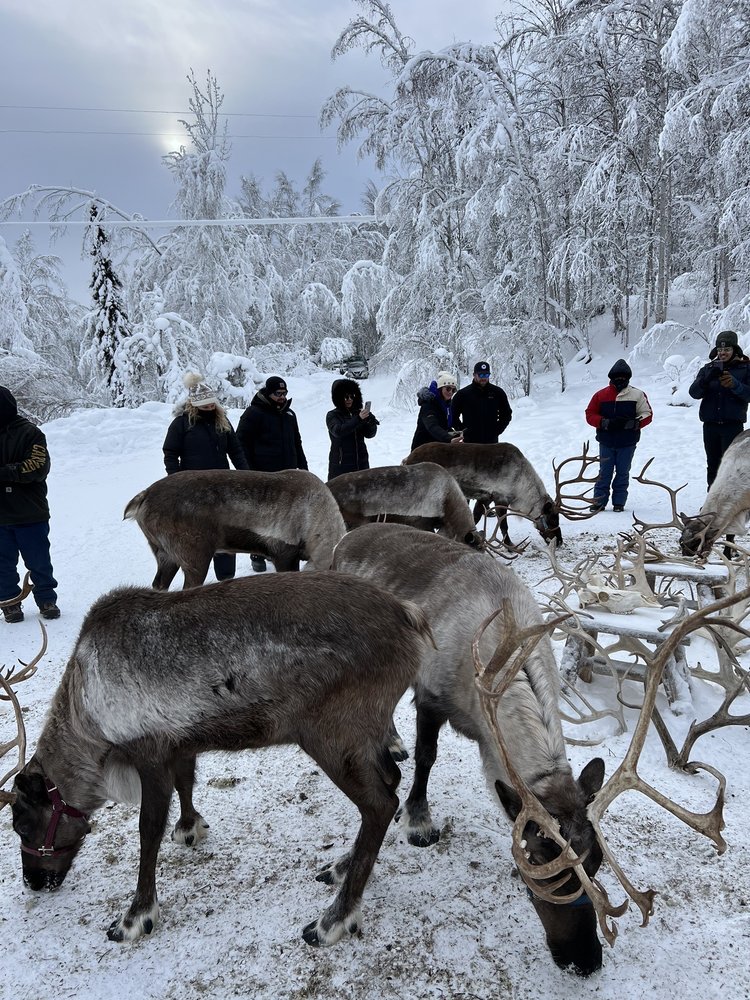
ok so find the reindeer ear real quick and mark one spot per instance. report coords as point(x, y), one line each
point(591, 778)
point(32, 787)
point(510, 800)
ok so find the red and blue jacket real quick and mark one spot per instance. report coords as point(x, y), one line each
point(619, 416)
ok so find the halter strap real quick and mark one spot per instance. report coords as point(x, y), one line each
point(60, 808)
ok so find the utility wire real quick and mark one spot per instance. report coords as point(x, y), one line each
point(168, 135)
point(148, 111)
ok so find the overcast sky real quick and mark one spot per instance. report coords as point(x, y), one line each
point(270, 58)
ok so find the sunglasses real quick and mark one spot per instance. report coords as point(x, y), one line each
point(483, 374)
point(349, 395)
point(279, 392)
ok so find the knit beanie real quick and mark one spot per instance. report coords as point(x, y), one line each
point(199, 392)
point(273, 384)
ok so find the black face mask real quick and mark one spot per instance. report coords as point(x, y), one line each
point(620, 383)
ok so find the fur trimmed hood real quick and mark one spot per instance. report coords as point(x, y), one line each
point(342, 387)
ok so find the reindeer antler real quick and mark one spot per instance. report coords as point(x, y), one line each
point(7, 679)
point(26, 589)
point(677, 520)
point(586, 498)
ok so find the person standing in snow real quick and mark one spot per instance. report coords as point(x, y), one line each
point(435, 420)
point(269, 435)
point(723, 387)
point(481, 409)
point(24, 512)
point(201, 437)
point(618, 412)
point(349, 423)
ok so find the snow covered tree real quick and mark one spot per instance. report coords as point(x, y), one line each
point(14, 314)
point(106, 326)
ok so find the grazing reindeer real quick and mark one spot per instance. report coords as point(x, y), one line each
point(424, 496)
point(726, 506)
point(496, 474)
point(284, 516)
point(319, 660)
point(403, 561)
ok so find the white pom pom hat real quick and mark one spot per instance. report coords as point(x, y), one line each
point(199, 392)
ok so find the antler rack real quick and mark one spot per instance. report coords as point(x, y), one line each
point(9, 678)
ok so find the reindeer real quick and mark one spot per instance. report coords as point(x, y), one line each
point(509, 707)
point(318, 660)
point(403, 561)
point(499, 474)
point(424, 496)
point(283, 516)
point(727, 503)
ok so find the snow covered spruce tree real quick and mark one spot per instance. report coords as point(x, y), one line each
point(105, 327)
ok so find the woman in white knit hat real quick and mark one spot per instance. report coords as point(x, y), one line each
point(201, 437)
point(435, 420)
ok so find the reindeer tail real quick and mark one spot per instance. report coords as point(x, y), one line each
point(417, 619)
point(133, 506)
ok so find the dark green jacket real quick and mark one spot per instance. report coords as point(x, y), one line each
point(24, 465)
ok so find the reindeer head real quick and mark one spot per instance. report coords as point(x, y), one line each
point(51, 831)
point(570, 927)
point(698, 534)
point(548, 523)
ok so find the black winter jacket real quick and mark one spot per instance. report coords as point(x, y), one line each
point(270, 437)
point(201, 444)
point(482, 413)
point(348, 431)
point(24, 465)
point(721, 404)
point(435, 418)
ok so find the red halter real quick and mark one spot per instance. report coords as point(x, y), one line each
point(59, 807)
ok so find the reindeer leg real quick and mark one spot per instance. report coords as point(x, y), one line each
point(191, 827)
point(502, 520)
point(166, 568)
point(371, 786)
point(420, 830)
point(141, 917)
point(196, 569)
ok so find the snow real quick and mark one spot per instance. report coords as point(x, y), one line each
point(444, 922)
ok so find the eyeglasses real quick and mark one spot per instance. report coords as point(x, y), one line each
point(349, 395)
point(279, 392)
point(722, 348)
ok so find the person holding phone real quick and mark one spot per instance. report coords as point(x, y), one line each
point(723, 387)
point(349, 423)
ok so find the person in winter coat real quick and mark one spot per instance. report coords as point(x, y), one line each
point(24, 511)
point(723, 386)
point(349, 423)
point(618, 412)
point(435, 420)
point(269, 435)
point(481, 409)
point(201, 437)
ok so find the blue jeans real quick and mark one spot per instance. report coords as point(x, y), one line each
point(617, 461)
point(31, 542)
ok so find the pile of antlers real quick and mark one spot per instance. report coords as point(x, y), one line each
point(493, 680)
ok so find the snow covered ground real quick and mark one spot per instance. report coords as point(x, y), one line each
point(446, 922)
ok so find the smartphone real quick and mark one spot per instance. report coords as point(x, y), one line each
point(719, 365)
point(368, 404)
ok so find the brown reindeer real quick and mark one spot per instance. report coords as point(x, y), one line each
point(403, 561)
point(318, 660)
point(283, 516)
point(425, 496)
point(499, 475)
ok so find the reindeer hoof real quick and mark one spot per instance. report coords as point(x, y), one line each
point(131, 928)
point(317, 936)
point(399, 754)
point(192, 834)
point(424, 838)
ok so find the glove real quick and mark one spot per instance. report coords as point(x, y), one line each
point(630, 425)
point(454, 434)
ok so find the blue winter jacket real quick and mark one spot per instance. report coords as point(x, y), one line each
point(723, 404)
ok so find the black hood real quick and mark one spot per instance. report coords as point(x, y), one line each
point(620, 369)
point(8, 407)
point(342, 387)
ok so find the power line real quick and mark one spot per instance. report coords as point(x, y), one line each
point(168, 135)
point(317, 220)
point(148, 111)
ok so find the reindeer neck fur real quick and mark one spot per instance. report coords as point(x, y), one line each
point(72, 752)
